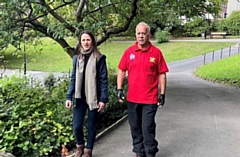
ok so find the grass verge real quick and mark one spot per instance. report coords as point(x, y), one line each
point(225, 71)
point(50, 57)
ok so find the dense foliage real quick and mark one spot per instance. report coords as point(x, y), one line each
point(231, 24)
point(195, 27)
point(34, 120)
point(162, 36)
point(60, 19)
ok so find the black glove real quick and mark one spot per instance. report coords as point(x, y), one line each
point(161, 99)
point(120, 95)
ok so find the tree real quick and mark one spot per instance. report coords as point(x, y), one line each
point(167, 13)
point(57, 19)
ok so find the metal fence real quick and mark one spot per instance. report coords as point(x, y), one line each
point(220, 54)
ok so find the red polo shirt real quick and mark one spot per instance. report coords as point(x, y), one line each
point(143, 69)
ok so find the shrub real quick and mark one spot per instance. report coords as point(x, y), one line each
point(49, 81)
point(113, 110)
point(34, 120)
point(231, 24)
point(195, 27)
point(162, 36)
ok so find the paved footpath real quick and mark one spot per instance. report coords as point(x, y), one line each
point(36, 75)
point(199, 119)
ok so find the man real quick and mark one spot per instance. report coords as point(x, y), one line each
point(146, 68)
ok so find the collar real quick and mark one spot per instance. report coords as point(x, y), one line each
point(137, 49)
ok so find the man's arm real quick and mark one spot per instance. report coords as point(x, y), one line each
point(120, 78)
point(162, 82)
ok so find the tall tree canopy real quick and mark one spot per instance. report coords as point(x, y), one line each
point(57, 19)
point(168, 13)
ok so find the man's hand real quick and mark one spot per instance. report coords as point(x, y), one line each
point(120, 95)
point(161, 100)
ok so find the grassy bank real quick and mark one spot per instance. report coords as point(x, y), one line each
point(226, 71)
point(49, 56)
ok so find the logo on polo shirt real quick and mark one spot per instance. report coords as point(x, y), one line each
point(152, 59)
point(132, 56)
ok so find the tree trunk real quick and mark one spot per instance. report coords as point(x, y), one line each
point(70, 51)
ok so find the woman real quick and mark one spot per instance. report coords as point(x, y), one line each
point(89, 84)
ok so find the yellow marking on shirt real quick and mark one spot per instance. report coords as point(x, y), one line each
point(152, 59)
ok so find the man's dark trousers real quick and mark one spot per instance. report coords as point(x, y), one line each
point(143, 128)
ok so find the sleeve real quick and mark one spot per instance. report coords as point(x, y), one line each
point(103, 80)
point(162, 65)
point(71, 88)
point(123, 62)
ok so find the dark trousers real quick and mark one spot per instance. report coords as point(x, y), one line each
point(79, 112)
point(143, 128)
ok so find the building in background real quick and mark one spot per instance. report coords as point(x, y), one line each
point(223, 13)
point(232, 5)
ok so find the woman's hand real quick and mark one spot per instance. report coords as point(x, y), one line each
point(68, 104)
point(101, 106)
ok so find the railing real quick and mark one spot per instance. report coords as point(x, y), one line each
point(220, 54)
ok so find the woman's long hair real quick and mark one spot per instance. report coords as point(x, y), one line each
point(95, 52)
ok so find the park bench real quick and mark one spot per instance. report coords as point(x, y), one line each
point(223, 34)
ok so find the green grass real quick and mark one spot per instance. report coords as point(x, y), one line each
point(172, 51)
point(47, 56)
point(52, 58)
point(225, 71)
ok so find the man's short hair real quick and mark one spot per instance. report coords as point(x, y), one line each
point(144, 23)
